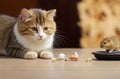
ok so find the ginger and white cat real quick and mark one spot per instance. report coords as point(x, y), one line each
point(29, 36)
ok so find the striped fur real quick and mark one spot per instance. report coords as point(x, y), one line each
point(30, 36)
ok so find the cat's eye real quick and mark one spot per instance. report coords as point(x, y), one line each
point(45, 28)
point(104, 43)
point(34, 28)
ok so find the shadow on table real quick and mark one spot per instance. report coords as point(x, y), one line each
point(104, 60)
point(3, 56)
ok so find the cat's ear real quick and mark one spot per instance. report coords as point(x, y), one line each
point(25, 15)
point(51, 13)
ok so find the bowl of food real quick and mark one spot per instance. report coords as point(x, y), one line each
point(103, 55)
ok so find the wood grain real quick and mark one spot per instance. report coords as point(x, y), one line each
point(14, 68)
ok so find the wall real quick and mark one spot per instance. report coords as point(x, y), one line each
point(98, 19)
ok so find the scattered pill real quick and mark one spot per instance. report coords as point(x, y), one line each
point(54, 60)
point(61, 56)
point(89, 60)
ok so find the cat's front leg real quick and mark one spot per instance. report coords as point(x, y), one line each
point(22, 53)
point(46, 54)
point(30, 55)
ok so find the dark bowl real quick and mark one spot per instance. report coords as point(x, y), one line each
point(103, 55)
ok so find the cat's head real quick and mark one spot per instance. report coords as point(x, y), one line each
point(36, 23)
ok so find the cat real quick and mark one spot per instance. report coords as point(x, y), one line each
point(29, 36)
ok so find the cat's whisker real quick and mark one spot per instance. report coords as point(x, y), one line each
point(58, 44)
point(61, 39)
point(62, 34)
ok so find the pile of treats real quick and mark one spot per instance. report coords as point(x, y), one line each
point(62, 57)
point(98, 19)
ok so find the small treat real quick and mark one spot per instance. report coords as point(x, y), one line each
point(89, 60)
point(66, 60)
point(74, 57)
point(76, 54)
point(61, 61)
point(61, 56)
point(54, 60)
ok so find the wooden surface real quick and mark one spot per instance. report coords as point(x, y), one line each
point(13, 68)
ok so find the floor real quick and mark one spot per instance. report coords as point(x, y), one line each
point(14, 68)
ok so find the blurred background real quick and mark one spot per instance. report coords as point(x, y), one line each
point(80, 23)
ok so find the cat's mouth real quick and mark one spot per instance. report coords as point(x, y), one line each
point(40, 37)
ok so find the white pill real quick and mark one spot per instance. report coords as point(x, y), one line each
point(76, 54)
point(61, 56)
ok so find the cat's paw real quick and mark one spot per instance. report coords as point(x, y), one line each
point(31, 55)
point(46, 55)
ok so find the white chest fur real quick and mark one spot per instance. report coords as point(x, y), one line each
point(32, 44)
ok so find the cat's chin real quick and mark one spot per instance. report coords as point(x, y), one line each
point(41, 38)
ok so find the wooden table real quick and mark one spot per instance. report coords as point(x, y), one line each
point(13, 68)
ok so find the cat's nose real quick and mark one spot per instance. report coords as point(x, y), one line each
point(40, 37)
